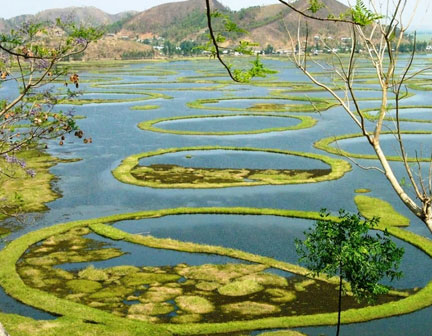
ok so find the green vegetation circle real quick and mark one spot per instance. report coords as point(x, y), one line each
point(130, 172)
point(305, 122)
point(14, 285)
point(370, 116)
point(309, 104)
point(326, 145)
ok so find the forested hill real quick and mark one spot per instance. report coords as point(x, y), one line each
point(267, 24)
point(186, 20)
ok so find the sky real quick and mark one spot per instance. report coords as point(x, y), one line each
point(19, 7)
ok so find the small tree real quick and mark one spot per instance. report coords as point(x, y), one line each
point(345, 248)
point(30, 57)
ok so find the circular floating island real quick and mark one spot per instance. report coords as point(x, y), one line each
point(236, 122)
point(275, 104)
point(326, 145)
point(246, 294)
point(168, 175)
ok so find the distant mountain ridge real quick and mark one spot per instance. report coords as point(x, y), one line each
point(81, 15)
point(186, 20)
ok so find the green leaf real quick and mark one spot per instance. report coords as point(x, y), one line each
point(315, 6)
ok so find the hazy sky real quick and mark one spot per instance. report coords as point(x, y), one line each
point(18, 7)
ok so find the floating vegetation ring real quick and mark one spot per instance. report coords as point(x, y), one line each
point(84, 101)
point(306, 122)
point(326, 145)
point(216, 87)
point(226, 280)
point(368, 113)
point(420, 84)
point(310, 104)
point(173, 176)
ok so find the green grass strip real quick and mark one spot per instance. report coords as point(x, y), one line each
point(123, 172)
point(325, 145)
point(306, 122)
point(371, 207)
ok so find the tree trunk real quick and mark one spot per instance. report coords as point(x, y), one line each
point(3, 331)
point(340, 305)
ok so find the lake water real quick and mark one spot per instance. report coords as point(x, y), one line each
point(89, 189)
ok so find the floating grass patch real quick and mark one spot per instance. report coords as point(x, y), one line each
point(151, 308)
point(219, 273)
point(305, 122)
point(145, 107)
point(186, 318)
point(241, 288)
point(250, 308)
point(371, 207)
point(141, 278)
point(194, 304)
point(362, 191)
point(83, 286)
point(281, 295)
point(307, 104)
point(326, 145)
point(173, 176)
point(23, 193)
point(91, 273)
point(285, 318)
point(161, 294)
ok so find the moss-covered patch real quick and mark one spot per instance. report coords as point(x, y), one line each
point(371, 207)
point(250, 308)
point(24, 193)
point(194, 304)
point(281, 295)
point(151, 308)
point(160, 294)
point(362, 191)
point(301, 286)
point(219, 273)
point(83, 286)
point(91, 273)
point(207, 285)
point(145, 107)
point(172, 176)
point(141, 278)
point(241, 288)
point(266, 279)
point(186, 318)
point(305, 122)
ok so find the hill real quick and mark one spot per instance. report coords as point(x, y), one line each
point(186, 21)
point(267, 24)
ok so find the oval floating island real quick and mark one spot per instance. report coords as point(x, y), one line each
point(178, 176)
point(238, 124)
point(141, 298)
point(326, 144)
